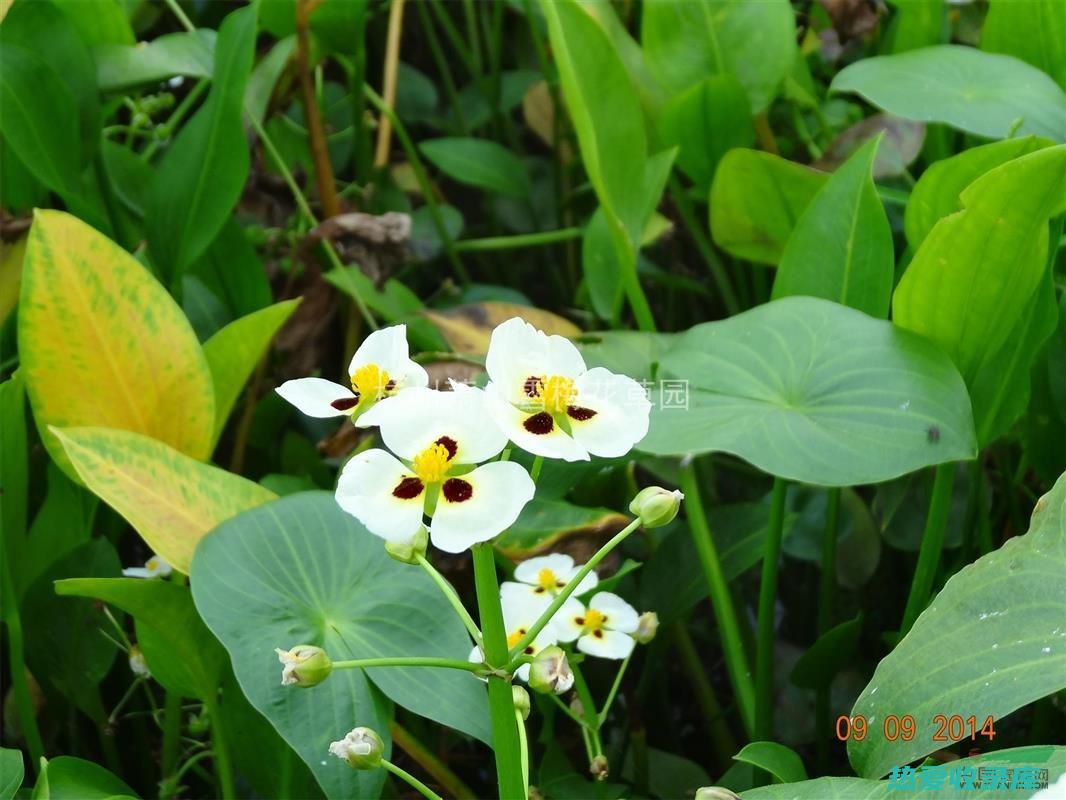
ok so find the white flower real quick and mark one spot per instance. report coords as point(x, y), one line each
point(440, 435)
point(137, 663)
point(361, 748)
point(604, 629)
point(548, 403)
point(519, 614)
point(381, 368)
point(155, 567)
point(543, 577)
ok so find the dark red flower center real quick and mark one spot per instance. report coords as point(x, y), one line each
point(579, 413)
point(345, 403)
point(456, 490)
point(540, 423)
point(408, 488)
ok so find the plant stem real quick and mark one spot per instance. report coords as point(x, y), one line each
point(448, 780)
point(523, 746)
point(410, 779)
point(566, 591)
point(536, 467)
point(220, 747)
point(408, 661)
point(703, 244)
point(602, 717)
point(710, 708)
point(443, 68)
point(186, 23)
point(721, 600)
point(588, 708)
point(316, 131)
point(171, 733)
point(452, 597)
point(388, 87)
point(20, 687)
point(501, 703)
point(936, 524)
point(826, 591)
point(764, 651)
point(566, 710)
point(521, 240)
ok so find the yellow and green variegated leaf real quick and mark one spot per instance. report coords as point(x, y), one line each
point(172, 500)
point(233, 352)
point(102, 344)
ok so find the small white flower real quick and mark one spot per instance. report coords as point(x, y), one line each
point(544, 576)
point(549, 403)
point(381, 368)
point(519, 614)
point(137, 663)
point(155, 567)
point(303, 665)
point(605, 629)
point(440, 436)
point(361, 748)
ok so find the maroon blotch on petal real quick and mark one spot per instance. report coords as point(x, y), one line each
point(540, 423)
point(345, 403)
point(408, 488)
point(456, 490)
point(580, 413)
point(449, 444)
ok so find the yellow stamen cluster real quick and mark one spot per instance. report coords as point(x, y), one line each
point(594, 619)
point(515, 637)
point(546, 580)
point(431, 464)
point(370, 381)
point(557, 394)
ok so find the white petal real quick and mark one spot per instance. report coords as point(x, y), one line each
point(476, 656)
point(137, 572)
point(588, 583)
point(610, 644)
point(556, 444)
point(525, 593)
point(521, 609)
point(414, 419)
point(620, 615)
point(499, 491)
point(522, 673)
point(622, 408)
point(567, 628)
point(559, 563)
point(518, 351)
point(314, 395)
point(365, 491)
point(385, 348)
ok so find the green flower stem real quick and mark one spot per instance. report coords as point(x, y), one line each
point(588, 708)
point(450, 594)
point(566, 591)
point(534, 470)
point(425, 758)
point(408, 661)
point(566, 710)
point(826, 592)
point(166, 130)
point(523, 746)
point(20, 687)
point(614, 690)
point(220, 748)
point(410, 779)
point(501, 703)
point(186, 23)
point(764, 654)
point(936, 524)
point(721, 600)
point(522, 240)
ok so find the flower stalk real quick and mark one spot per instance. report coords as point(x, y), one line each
point(408, 661)
point(936, 524)
point(764, 656)
point(410, 779)
point(450, 595)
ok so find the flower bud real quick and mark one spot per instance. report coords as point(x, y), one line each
point(138, 664)
point(655, 506)
point(521, 700)
point(715, 793)
point(599, 768)
point(361, 749)
point(305, 665)
point(647, 627)
point(409, 551)
point(550, 672)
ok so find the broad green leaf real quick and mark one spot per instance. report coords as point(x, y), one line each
point(11, 257)
point(633, 353)
point(19, 187)
point(300, 570)
point(815, 392)
point(69, 778)
point(171, 499)
point(233, 352)
point(264, 77)
point(706, 120)
point(543, 523)
point(1044, 424)
point(103, 344)
point(983, 93)
point(687, 40)
point(181, 652)
point(841, 248)
point(14, 466)
point(756, 200)
point(669, 775)
point(1034, 31)
point(99, 21)
point(12, 771)
point(781, 762)
point(1040, 757)
point(232, 270)
point(916, 24)
point(394, 300)
point(832, 651)
point(479, 162)
point(650, 92)
point(203, 172)
point(120, 67)
point(992, 641)
point(937, 193)
point(977, 272)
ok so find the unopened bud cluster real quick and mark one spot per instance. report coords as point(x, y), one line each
point(656, 506)
point(304, 665)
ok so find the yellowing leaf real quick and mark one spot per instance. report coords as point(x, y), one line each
point(172, 500)
point(468, 328)
point(103, 344)
point(10, 275)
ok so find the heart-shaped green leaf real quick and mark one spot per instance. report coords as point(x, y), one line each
point(815, 392)
point(12, 771)
point(69, 778)
point(301, 571)
point(780, 761)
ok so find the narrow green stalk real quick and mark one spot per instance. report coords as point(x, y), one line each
point(408, 661)
point(186, 23)
point(410, 779)
point(20, 687)
point(437, 769)
point(703, 245)
point(520, 240)
point(534, 470)
point(614, 690)
point(455, 39)
point(523, 746)
point(826, 591)
point(166, 130)
point(711, 710)
point(566, 710)
point(721, 600)
point(220, 747)
point(501, 703)
point(566, 591)
point(764, 651)
point(443, 68)
point(936, 524)
point(588, 708)
point(452, 597)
